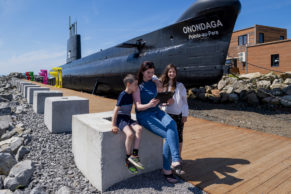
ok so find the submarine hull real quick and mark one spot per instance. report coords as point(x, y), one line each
point(197, 44)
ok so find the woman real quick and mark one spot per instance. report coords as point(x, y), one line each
point(152, 118)
point(177, 107)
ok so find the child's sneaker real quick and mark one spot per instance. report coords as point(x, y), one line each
point(131, 168)
point(136, 162)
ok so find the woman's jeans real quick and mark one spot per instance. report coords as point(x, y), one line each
point(161, 124)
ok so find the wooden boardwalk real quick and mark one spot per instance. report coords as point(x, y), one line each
point(220, 158)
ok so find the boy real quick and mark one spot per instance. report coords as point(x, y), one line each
point(122, 120)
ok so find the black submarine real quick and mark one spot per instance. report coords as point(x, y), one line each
point(197, 44)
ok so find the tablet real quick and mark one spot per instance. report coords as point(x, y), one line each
point(164, 96)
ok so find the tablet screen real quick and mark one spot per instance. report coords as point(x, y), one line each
point(164, 96)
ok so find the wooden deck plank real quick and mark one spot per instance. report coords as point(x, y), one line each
point(252, 183)
point(221, 158)
point(285, 187)
point(273, 182)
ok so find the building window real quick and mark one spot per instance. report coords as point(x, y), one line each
point(242, 40)
point(282, 37)
point(261, 37)
point(275, 60)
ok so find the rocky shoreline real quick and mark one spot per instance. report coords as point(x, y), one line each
point(254, 89)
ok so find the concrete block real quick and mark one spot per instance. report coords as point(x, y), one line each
point(31, 91)
point(25, 89)
point(24, 84)
point(100, 155)
point(19, 84)
point(58, 112)
point(39, 99)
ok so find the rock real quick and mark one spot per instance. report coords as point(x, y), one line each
point(5, 109)
point(221, 84)
point(275, 101)
point(6, 163)
point(285, 75)
point(229, 90)
point(208, 89)
point(8, 134)
point(202, 96)
point(287, 81)
point(7, 86)
point(21, 152)
point(19, 175)
point(286, 101)
point(6, 96)
point(213, 98)
point(2, 177)
point(19, 192)
point(39, 190)
point(19, 109)
point(215, 93)
point(5, 122)
point(202, 90)
point(263, 84)
point(270, 76)
point(263, 93)
point(224, 97)
point(250, 76)
point(64, 190)
point(267, 100)
point(277, 92)
point(253, 99)
point(233, 97)
point(6, 191)
point(287, 90)
point(243, 95)
point(13, 143)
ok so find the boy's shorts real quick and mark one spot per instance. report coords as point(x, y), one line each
point(123, 120)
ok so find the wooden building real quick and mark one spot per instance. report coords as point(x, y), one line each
point(260, 49)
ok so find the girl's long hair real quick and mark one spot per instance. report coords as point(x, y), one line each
point(144, 66)
point(165, 78)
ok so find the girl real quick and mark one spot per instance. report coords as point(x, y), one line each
point(155, 120)
point(177, 107)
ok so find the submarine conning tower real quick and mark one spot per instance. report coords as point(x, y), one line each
point(201, 7)
point(74, 43)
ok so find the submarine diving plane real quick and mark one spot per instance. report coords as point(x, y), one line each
point(197, 44)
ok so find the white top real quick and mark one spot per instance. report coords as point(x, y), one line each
point(180, 105)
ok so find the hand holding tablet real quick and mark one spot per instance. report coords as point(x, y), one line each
point(164, 96)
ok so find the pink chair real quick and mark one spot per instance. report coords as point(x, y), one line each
point(43, 73)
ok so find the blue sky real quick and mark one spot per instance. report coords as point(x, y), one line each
point(34, 33)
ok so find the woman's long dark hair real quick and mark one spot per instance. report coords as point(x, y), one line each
point(144, 66)
point(165, 78)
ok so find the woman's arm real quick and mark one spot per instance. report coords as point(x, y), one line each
point(158, 83)
point(114, 119)
point(185, 108)
point(141, 107)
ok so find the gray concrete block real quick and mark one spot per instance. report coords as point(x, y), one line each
point(31, 92)
point(24, 84)
point(39, 99)
point(25, 89)
point(100, 155)
point(19, 84)
point(58, 112)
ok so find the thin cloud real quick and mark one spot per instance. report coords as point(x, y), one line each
point(33, 61)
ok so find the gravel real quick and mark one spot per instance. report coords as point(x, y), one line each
point(261, 118)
